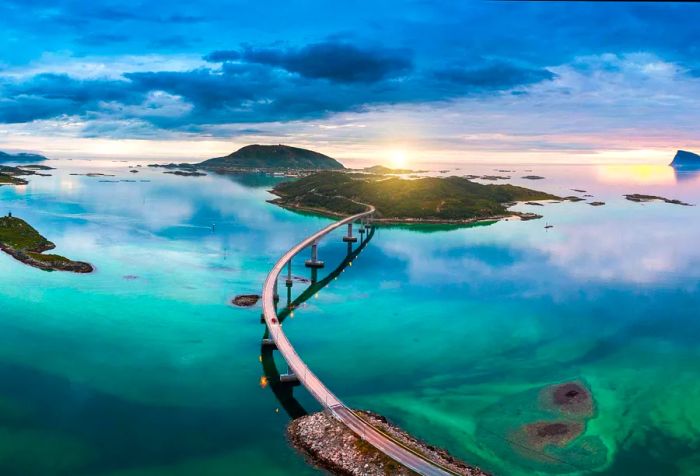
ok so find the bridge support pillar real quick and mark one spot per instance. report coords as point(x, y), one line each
point(314, 262)
point(289, 281)
point(289, 379)
point(275, 294)
point(349, 238)
point(269, 343)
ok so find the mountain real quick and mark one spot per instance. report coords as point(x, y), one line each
point(274, 157)
point(684, 158)
point(22, 157)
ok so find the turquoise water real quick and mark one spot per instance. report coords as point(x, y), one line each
point(143, 368)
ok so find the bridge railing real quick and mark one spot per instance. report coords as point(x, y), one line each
point(306, 377)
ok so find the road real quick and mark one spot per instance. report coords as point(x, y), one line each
point(383, 442)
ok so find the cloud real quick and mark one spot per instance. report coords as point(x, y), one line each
point(338, 62)
point(494, 76)
point(222, 56)
point(49, 95)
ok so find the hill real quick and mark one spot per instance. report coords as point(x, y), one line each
point(685, 158)
point(21, 158)
point(280, 157)
point(21, 241)
point(429, 199)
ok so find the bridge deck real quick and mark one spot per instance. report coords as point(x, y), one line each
point(383, 442)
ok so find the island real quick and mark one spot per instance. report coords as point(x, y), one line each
point(11, 175)
point(21, 241)
point(8, 179)
point(272, 157)
point(185, 173)
point(245, 300)
point(382, 170)
point(641, 198)
point(22, 157)
point(449, 200)
point(683, 158)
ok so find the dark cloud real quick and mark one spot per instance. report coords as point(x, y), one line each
point(255, 91)
point(221, 56)
point(338, 62)
point(493, 76)
point(50, 95)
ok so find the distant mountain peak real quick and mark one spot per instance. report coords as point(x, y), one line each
point(22, 157)
point(684, 157)
point(278, 156)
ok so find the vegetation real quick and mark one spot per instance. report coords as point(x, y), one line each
point(21, 241)
point(281, 157)
point(20, 235)
point(452, 199)
point(382, 170)
point(6, 179)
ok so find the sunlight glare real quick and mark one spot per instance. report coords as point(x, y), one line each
point(398, 159)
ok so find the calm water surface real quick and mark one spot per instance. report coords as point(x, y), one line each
point(143, 368)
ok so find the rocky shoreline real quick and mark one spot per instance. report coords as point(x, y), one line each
point(330, 445)
point(21, 241)
point(524, 216)
point(59, 264)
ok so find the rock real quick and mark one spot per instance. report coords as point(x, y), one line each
point(246, 300)
point(685, 158)
point(597, 204)
point(571, 398)
point(330, 445)
point(641, 198)
point(183, 173)
point(542, 433)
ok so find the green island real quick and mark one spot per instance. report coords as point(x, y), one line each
point(7, 179)
point(383, 170)
point(21, 241)
point(12, 175)
point(450, 200)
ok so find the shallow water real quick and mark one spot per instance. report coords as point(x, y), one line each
point(143, 368)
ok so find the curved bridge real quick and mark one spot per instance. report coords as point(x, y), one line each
point(301, 372)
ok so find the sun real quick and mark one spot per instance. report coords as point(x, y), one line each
point(398, 158)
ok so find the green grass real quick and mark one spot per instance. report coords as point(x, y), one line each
point(10, 180)
point(49, 258)
point(20, 235)
point(452, 198)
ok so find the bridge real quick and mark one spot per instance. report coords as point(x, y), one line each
point(300, 372)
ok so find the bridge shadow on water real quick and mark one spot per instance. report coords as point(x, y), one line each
point(284, 391)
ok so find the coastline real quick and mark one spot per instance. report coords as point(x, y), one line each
point(328, 444)
point(79, 267)
point(408, 221)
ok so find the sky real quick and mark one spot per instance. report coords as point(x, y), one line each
point(386, 81)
